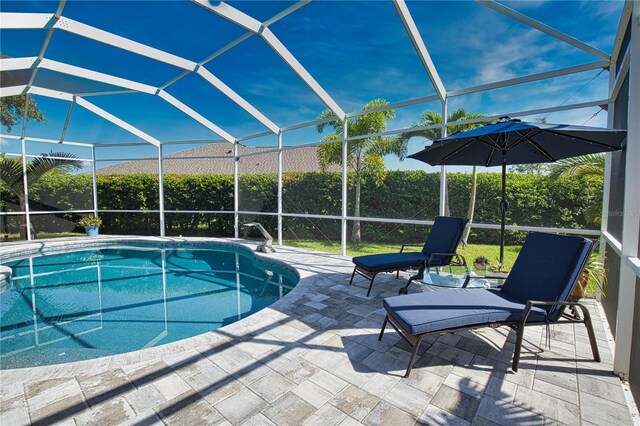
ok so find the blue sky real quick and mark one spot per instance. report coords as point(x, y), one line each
point(356, 50)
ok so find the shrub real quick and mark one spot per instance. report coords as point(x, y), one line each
point(535, 200)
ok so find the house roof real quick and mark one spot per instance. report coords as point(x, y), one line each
point(254, 160)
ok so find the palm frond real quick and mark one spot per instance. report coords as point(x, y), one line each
point(387, 145)
point(62, 161)
point(337, 125)
point(11, 174)
point(330, 153)
point(584, 167)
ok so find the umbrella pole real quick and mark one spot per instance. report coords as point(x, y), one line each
point(503, 205)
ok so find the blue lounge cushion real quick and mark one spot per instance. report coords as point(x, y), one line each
point(389, 261)
point(546, 269)
point(444, 238)
point(446, 309)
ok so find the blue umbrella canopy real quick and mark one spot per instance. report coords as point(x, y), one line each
point(517, 142)
point(520, 142)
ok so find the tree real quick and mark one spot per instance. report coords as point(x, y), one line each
point(11, 170)
point(12, 109)
point(588, 168)
point(530, 169)
point(364, 156)
point(430, 118)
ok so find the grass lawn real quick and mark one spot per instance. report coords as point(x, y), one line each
point(470, 252)
point(43, 235)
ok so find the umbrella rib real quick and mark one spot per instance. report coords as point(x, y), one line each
point(493, 150)
point(455, 151)
point(582, 139)
point(527, 138)
point(542, 150)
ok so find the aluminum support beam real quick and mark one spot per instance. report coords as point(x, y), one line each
point(622, 68)
point(96, 34)
point(55, 94)
point(117, 121)
point(161, 190)
point(442, 210)
point(545, 29)
point(137, 87)
point(73, 70)
point(27, 21)
point(236, 191)
point(631, 218)
point(530, 78)
point(228, 92)
point(94, 180)
point(25, 181)
point(279, 177)
point(606, 191)
point(47, 40)
point(345, 189)
point(66, 121)
point(421, 49)
point(197, 117)
point(12, 64)
point(247, 22)
point(53, 141)
point(622, 29)
point(13, 91)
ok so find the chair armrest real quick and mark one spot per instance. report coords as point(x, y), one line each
point(409, 245)
point(532, 303)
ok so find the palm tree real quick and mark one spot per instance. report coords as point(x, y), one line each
point(590, 169)
point(430, 118)
point(11, 171)
point(364, 156)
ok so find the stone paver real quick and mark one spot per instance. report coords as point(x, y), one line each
point(272, 386)
point(290, 410)
point(356, 402)
point(387, 414)
point(313, 358)
point(457, 403)
point(240, 406)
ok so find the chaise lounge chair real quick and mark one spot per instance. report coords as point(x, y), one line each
point(439, 250)
point(536, 292)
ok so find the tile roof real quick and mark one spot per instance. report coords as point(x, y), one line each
point(257, 161)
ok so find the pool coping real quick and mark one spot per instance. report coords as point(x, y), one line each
point(103, 364)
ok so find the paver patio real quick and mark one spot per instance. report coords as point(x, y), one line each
point(313, 358)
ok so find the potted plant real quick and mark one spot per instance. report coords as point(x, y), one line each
point(480, 263)
point(593, 276)
point(91, 225)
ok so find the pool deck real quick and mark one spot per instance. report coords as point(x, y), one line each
point(314, 358)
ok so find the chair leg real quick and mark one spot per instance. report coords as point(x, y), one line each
point(352, 275)
point(592, 335)
point(412, 360)
point(419, 275)
point(520, 335)
point(371, 284)
point(384, 325)
point(518, 348)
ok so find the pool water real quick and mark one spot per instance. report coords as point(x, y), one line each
point(93, 303)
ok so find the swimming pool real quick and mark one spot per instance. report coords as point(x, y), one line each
point(71, 306)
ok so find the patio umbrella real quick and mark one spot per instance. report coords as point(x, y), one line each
point(512, 141)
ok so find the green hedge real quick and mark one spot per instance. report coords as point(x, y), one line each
point(534, 201)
